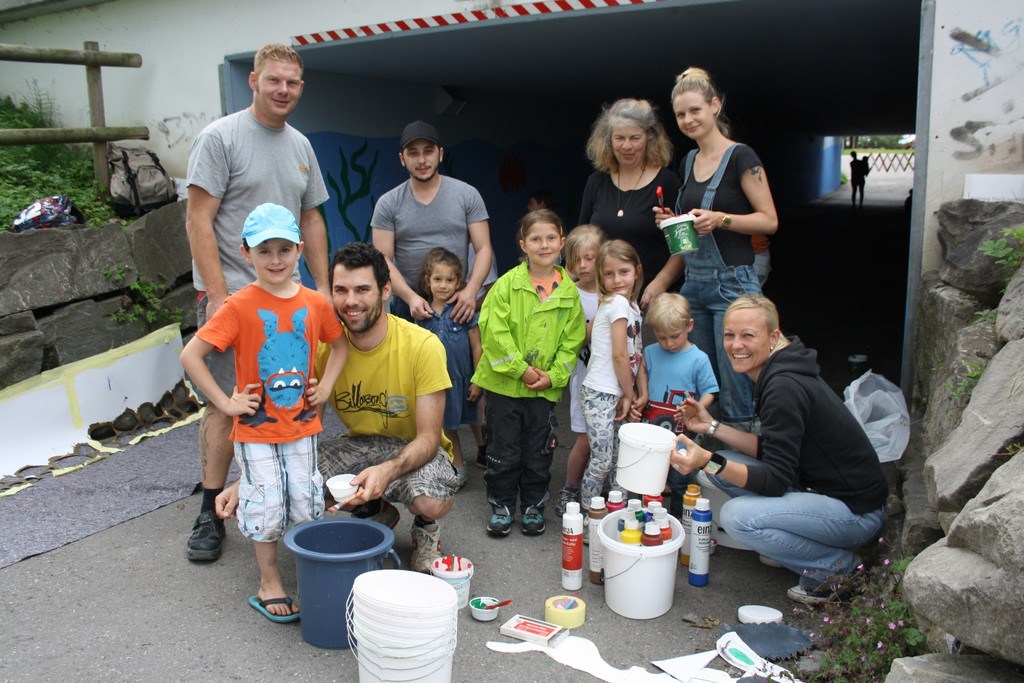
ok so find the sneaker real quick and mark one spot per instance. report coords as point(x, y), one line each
point(385, 513)
point(769, 562)
point(533, 521)
point(207, 538)
point(481, 457)
point(808, 597)
point(426, 546)
point(500, 523)
point(568, 494)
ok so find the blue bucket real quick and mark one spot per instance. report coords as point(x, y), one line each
point(329, 555)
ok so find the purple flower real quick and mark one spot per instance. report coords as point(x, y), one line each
point(879, 645)
point(886, 563)
point(825, 619)
point(900, 622)
point(892, 626)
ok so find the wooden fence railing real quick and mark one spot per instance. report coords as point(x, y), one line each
point(98, 133)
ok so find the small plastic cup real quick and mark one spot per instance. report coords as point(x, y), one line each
point(478, 608)
point(341, 487)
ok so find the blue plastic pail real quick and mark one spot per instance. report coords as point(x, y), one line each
point(329, 555)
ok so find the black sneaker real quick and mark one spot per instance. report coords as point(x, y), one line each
point(481, 457)
point(533, 521)
point(207, 538)
point(500, 522)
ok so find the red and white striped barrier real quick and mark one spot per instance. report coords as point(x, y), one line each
point(457, 18)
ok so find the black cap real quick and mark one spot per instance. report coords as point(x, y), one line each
point(419, 130)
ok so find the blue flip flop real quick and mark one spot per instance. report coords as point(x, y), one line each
point(261, 607)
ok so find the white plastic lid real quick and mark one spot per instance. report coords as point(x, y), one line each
point(634, 504)
point(572, 508)
point(652, 528)
point(597, 502)
point(615, 496)
point(759, 614)
point(631, 523)
point(703, 504)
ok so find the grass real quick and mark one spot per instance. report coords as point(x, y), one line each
point(30, 172)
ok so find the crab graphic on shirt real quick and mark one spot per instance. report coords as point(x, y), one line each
point(283, 363)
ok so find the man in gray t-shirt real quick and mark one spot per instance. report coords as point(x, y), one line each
point(237, 163)
point(430, 210)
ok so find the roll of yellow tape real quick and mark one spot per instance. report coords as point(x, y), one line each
point(565, 610)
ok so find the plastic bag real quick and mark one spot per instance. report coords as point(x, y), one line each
point(881, 410)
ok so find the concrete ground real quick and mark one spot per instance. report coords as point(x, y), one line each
point(124, 604)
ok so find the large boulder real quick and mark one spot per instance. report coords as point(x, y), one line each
point(86, 328)
point(966, 268)
point(961, 217)
point(159, 245)
point(942, 312)
point(920, 524)
point(21, 348)
point(951, 383)
point(948, 668)
point(970, 584)
point(1010, 314)
point(992, 421)
point(41, 268)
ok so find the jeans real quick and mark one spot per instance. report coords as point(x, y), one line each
point(520, 445)
point(710, 291)
point(808, 533)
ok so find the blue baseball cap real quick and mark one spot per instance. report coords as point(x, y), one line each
point(268, 221)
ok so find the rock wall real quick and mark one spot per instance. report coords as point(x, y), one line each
point(56, 304)
point(966, 468)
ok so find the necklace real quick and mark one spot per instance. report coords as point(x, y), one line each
point(618, 191)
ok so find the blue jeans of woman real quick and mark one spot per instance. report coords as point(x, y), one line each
point(808, 533)
point(710, 291)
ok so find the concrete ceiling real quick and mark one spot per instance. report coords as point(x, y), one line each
point(837, 67)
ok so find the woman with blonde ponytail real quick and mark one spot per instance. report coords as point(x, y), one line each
point(726, 190)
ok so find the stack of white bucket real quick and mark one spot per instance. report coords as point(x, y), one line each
point(403, 626)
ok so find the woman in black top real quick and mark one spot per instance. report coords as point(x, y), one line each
point(725, 188)
point(630, 151)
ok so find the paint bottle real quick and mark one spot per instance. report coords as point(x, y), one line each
point(651, 535)
point(631, 533)
point(633, 510)
point(661, 517)
point(598, 511)
point(700, 543)
point(572, 547)
point(615, 501)
point(652, 499)
point(650, 509)
point(689, 500)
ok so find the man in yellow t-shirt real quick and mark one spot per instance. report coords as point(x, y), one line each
point(391, 396)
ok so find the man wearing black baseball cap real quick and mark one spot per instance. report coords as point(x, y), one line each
point(430, 210)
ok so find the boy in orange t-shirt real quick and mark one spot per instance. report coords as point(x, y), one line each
point(274, 326)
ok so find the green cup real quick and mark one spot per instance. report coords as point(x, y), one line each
point(679, 234)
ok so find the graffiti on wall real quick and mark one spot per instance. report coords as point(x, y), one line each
point(998, 55)
point(178, 130)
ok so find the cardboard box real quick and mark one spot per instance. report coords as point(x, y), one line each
point(531, 630)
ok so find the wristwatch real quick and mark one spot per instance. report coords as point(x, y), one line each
point(716, 465)
point(712, 428)
point(727, 222)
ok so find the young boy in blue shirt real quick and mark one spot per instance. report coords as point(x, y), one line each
point(676, 370)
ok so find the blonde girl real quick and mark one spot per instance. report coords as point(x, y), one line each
point(581, 249)
point(615, 388)
point(532, 328)
point(441, 278)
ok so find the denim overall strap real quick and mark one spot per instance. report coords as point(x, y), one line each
point(707, 259)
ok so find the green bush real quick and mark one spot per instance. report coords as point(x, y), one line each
point(30, 172)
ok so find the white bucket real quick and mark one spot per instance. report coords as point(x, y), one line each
point(644, 451)
point(457, 571)
point(405, 626)
point(639, 580)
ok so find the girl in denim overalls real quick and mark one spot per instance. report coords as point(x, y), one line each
point(726, 190)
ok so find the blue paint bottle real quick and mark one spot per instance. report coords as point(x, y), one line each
point(700, 543)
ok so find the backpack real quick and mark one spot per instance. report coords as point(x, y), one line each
point(138, 183)
point(50, 212)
